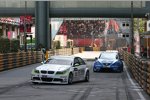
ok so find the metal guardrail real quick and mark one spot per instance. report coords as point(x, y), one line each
point(19, 59)
point(140, 69)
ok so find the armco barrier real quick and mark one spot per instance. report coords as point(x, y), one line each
point(140, 69)
point(13, 60)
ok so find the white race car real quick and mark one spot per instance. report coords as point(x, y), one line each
point(61, 69)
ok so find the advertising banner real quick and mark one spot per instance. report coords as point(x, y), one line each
point(25, 21)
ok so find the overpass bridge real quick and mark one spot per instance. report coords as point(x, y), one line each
point(120, 9)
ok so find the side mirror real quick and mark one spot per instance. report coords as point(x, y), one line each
point(96, 58)
point(121, 58)
point(117, 57)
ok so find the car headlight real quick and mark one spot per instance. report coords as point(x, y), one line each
point(62, 72)
point(34, 71)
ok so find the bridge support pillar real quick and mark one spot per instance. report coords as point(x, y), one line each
point(42, 27)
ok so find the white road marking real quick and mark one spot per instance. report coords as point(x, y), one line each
point(135, 86)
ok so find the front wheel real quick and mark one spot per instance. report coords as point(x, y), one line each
point(70, 78)
point(120, 70)
point(87, 76)
point(94, 70)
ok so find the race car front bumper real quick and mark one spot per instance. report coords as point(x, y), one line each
point(49, 79)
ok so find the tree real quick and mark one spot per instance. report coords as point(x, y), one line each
point(140, 25)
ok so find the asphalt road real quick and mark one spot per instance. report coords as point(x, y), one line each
point(15, 85)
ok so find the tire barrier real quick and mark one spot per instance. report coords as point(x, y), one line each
point(19, 59)
point(13, 60)
point(140, 69)
point(75, 50)
point(64, 51)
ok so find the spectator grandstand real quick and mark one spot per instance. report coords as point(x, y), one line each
point(91, 32)
point(76, 28)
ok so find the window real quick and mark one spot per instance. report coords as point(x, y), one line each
point(123, 25)
point(81, 61)
point(127, 24)
point(58, 62)
point(13, 28)
point(76, 61)
point(127, 35)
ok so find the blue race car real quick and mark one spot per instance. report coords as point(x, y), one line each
point(108, 60)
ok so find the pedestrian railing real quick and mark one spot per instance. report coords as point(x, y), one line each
point(140, 69)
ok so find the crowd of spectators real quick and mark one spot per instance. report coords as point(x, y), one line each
point(82, 28)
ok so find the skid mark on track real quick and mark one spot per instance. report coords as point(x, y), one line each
point(86, 93)
point(73, 97)
point(4, 90)
point(117, 94)
point(17, 96)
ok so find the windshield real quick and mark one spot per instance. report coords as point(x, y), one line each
point(58, 61)
point(108, 56)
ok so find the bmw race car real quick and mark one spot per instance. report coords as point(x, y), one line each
point(108, 60)
point(61, 70)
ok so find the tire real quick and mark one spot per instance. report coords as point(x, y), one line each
point(121, 70)
point(87, 76)
point(94, 70)
point(70, 78)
